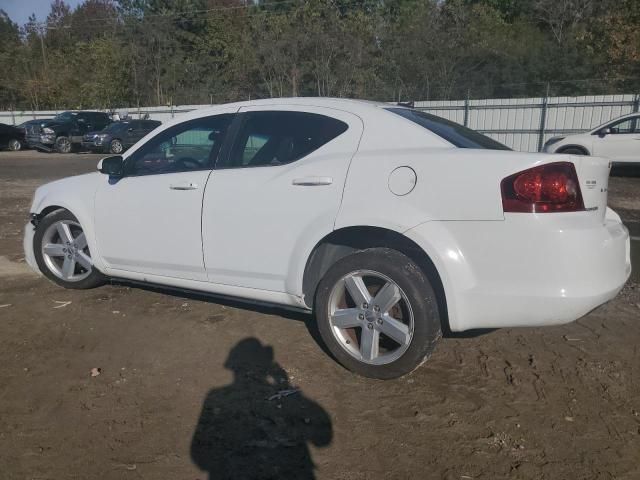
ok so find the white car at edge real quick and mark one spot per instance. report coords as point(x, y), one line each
point(618, 140)
point(390, 224)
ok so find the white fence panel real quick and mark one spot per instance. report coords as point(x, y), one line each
point(521, 123)
point(526, 123)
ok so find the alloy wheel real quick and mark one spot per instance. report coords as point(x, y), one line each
point(371, 317)
point(116, 146)
point(64, 145)
point(65, 251)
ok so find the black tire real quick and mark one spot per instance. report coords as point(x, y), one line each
point(14, 145)
point(418, 291)
point(116, 146)
point(63, 144)
point(573, 151)
point(94, 279)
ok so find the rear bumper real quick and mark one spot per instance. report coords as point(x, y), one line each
point(527, 270)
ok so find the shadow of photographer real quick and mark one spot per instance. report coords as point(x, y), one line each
point(259, 426)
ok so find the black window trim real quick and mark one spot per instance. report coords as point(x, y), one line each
point(236, 127)
point(209, 167)
point(239, 120)
point(397, 109)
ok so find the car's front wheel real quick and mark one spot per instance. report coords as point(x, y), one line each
point(116, 146)
point(377, 313)
point(62, 253)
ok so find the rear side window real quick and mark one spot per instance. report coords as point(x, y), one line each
point(454, 133)
point(277, 138)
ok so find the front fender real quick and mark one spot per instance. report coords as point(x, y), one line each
point(77, 195)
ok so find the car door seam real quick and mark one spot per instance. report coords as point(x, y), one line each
point(346, 177)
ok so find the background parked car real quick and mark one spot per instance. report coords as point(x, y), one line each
point(118, 136)
point(618, 140)
point(28, 127)
point(66, 130)
point(11, 137)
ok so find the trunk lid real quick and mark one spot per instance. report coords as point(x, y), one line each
point(593, 175)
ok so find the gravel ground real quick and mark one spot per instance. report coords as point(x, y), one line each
point(185, 387)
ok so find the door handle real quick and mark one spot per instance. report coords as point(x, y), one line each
point(312, 181)
point(183, 186)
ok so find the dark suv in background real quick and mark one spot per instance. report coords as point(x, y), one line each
point(118, 136)
point(65, 130)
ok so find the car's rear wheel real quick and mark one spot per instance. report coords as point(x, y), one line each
point(14, 145)
point(116, 146)
point(63, 144)
point(377, 313)
point(61, 251)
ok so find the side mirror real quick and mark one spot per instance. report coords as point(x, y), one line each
point(112, 166)
point(604, 132)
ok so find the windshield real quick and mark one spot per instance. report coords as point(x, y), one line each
point(64, 116)
point(454, 133)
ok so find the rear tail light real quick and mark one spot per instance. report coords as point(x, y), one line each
point(553, 187)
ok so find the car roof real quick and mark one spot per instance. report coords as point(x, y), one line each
point(76, 112)
point(365, 109)
point(347, 104)
point(129, 120)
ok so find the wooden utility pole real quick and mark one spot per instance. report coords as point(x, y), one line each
point(44, 54)
point(45, 65)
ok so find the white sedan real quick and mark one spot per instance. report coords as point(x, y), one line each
point(388, 223)
point(618, 140)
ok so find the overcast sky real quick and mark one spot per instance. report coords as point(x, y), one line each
point(19, 10)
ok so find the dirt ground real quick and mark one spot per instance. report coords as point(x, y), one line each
point(188, 386)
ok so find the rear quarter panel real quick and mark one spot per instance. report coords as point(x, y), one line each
point(452, 184)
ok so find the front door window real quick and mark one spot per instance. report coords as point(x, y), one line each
point(189, 146)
